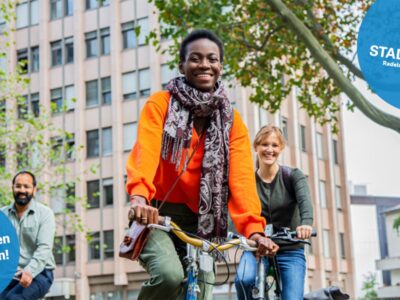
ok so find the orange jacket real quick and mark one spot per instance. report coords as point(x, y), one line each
point(150, 176)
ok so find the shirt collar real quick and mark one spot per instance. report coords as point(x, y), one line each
point(31, 208)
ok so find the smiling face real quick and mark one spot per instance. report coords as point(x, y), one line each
point(269, 149)
point(23, 189)
point(202, 66)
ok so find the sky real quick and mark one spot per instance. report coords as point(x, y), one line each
point(372, 151)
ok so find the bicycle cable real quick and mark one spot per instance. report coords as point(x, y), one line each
point(214, 248)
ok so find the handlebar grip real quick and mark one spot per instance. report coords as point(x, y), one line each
point(314, 232)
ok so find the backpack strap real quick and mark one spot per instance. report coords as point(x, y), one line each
point(287, 180)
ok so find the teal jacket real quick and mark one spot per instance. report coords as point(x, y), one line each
point(280, 208)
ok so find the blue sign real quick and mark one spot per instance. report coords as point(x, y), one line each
point(378, 47)
point(9, 251)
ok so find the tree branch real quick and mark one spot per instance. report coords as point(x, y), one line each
point(333, 69)
point(335, 53)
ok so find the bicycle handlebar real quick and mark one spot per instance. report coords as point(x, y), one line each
point(284, 234)
point(165, 224)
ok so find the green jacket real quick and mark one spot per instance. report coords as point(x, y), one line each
point(280, 208)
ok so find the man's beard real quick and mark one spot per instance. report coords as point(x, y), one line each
point(22, 201)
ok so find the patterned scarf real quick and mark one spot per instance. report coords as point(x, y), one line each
point(187, 103)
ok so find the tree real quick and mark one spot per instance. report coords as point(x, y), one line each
point(369, 287)
point(29, 140)
point(275, 46)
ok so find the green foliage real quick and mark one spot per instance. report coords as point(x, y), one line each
point(369, 287)
point(396, 224)
point(261, 50)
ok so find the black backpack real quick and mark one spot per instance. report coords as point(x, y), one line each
point(287, 180)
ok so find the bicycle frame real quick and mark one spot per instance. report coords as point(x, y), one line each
point(259, 291)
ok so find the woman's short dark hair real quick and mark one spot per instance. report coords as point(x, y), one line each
point(197, 35)
point(25, 172)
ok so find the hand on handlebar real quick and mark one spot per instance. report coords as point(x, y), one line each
point(142, 212)
point(304, 232)
point(265, 245)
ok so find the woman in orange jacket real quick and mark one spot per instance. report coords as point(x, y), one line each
point(192, 159)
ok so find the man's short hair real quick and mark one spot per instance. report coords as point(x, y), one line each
point(197, 35)
point(25, 172)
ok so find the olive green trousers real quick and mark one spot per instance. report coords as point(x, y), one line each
point(162, 258)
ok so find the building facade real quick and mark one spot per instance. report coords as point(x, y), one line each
point(85, 56)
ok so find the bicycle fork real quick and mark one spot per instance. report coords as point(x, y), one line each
point(193, 288)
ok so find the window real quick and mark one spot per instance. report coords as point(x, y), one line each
point(56, 100)
point(342, 245)
point(144, 30)
point(34, 59)
point(60, 8)
point(69, 97)
point(105, 41)
point(69, 50)
point(129, 85)
point(35, 104)
point(30, 64)
point(167, 74)
point(335, 152)
point(92, 98)
point(338, 198)
point(59, 103)
point(24, 104)
point(108, 195)
point(93, 142)
point(23, 156)
point(322, 193)
point(106, 90)
point(90, 4)
point(22, 15)
point(69, 7)
point(63, 153)
point(22, 107)
point(66, 250)
point(27, 13)
point(93, 193)
point(22, 60)
point(303, 138)
point(129, 38)
point(326, 244)
point(108, 246)
point(57, 51)
point(320, 149)
point(284, 126)
point(144, 82)
point(101, 247)
point(130, 132)
point(106, 141)
point(70, 201)
point(128, 35)
point(56, 9)
point(94, 245)
point(91, 44)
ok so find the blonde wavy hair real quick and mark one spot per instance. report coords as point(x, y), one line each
point(263, 133)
